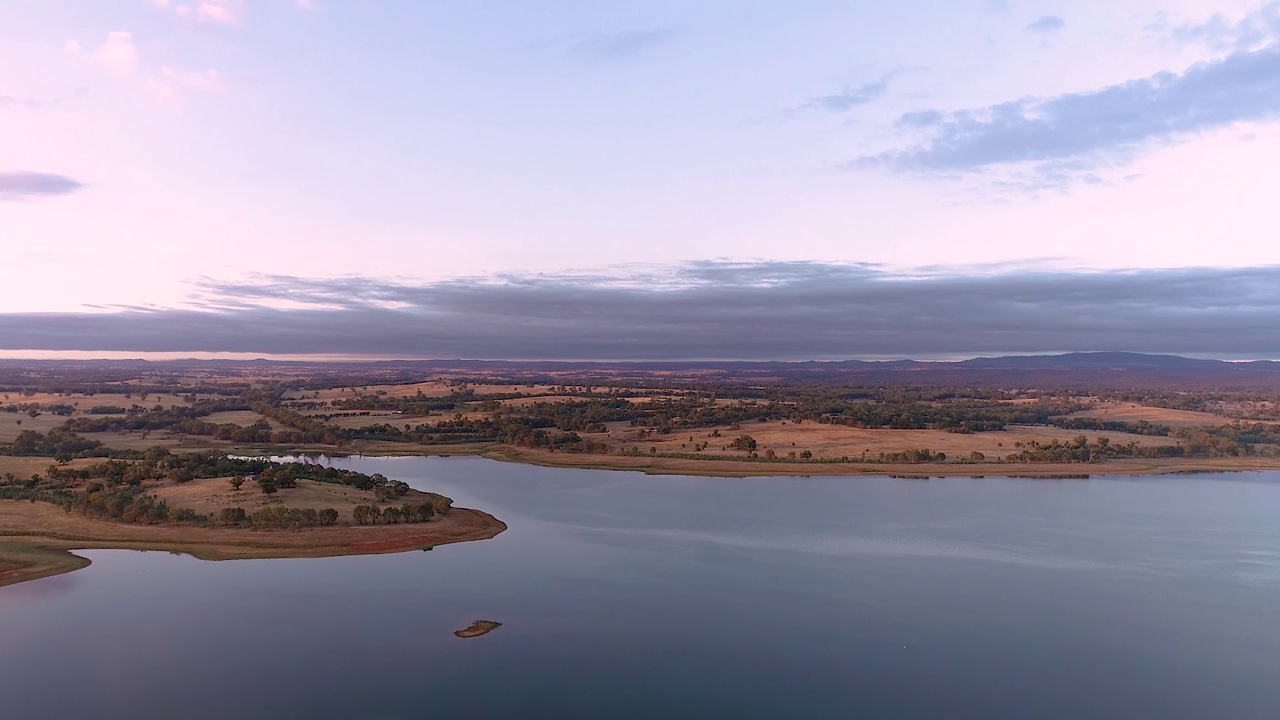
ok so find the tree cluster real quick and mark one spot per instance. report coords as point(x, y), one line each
point(408, 512)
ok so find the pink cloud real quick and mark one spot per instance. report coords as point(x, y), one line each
point(117, 53)
point(216, 12)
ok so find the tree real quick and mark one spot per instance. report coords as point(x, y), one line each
point(232, 516)
point(236, 482)
point(744, 442)
point(328, 516)
point(268, 485)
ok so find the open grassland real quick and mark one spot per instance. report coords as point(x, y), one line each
point(85, 401)
point(13, 423)
point(136, 440)
point(1133, 412)
point(687, 415)
point(527, 401)
point(210, 495)
point(242, 418)
point(25, 467)
point(365, 418)
point(835, 441)
point(430, 389)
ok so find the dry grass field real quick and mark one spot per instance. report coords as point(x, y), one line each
point(243, 418)
point(779, 437)
point(83, 402)
point(834, 441)
point(526, 401)
point(159, 438)
point(13, 423)
point(1132, 412)
point(25, 467)
point(211, 495)
point(430, 388)
point(373, 418)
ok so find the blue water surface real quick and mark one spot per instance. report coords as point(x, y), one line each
point(630, 596)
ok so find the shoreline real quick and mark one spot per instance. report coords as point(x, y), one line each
point(742, 469)
point(761, 468)
point(38, 540)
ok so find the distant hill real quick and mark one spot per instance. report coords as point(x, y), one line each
point(1092, 361)
point(1069, 371)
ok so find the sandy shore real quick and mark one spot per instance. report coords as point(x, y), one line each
point(36, 539)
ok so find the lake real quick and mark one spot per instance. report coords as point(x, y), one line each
point(629, 596)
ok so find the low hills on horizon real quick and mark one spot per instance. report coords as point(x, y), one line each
point(1075, 369)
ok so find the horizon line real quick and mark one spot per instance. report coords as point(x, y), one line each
point(336, 359)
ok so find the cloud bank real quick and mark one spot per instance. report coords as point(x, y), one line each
point(1047, 24)
point(709, 310)
point(1074, 134)
point(20, 185)
point(1096, 126)
point(1219, 32)
point(850, 97)
point(606, 47)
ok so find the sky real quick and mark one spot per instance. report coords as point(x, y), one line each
point(639, 180)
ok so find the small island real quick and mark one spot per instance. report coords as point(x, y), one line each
point(478, 628)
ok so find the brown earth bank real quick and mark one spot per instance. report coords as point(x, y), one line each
point(35, 538)
point(478, 628)
point(761, 468)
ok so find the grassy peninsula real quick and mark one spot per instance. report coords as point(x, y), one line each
point(216, 508)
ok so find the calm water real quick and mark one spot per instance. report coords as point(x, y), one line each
point(626, 596)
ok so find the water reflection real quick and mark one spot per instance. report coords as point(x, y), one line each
point(624, 595)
